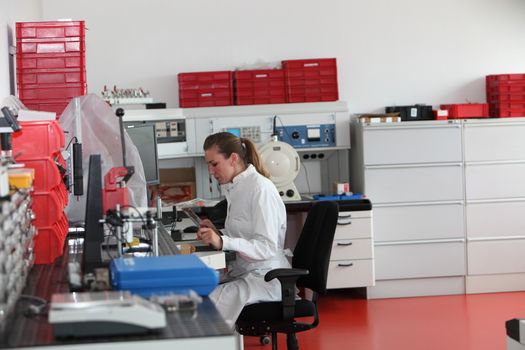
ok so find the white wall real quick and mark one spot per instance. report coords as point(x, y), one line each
point(388, 52)
point(12, 11)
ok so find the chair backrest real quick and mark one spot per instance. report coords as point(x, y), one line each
point(314, 246)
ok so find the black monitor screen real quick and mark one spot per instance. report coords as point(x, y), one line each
point(144, 137)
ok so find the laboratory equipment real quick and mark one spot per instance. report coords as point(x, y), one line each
point(103, 314)
point(283, 164)
point(151, 275)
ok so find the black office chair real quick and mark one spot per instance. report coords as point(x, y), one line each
point(309, 270)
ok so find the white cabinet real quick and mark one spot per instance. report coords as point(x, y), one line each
point(495, 204)
point(413, 174)
point(449, 204)
point(352, 257)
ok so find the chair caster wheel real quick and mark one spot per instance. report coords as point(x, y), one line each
point(264, 340)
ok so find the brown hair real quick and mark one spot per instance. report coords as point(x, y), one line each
point(227, 143)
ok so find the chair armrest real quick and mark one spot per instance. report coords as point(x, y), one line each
point(288, 279)
point(276, 273)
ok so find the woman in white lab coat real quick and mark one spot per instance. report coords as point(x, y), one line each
point(255, 224)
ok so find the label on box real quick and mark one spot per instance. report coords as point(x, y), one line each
point(413, 112)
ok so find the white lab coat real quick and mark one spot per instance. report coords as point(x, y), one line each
point(255, 228)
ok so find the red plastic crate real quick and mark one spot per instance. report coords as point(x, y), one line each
point(49, 241)
point(259, 87)
point(47, 134)
point(467, 110)
point(506, 78)
point(56, 106)
point(50, 92)
point(54, 47)
point(47, 175)
point(51, 76)
point(311, 80)
point(50, 61)
point(205, 89)
point(48, 208)
point(49, 30)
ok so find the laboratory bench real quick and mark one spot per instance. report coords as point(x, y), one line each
point(202, 328)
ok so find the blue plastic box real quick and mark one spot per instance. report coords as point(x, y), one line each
point(147, 276)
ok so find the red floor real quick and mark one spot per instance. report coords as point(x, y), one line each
point(466, 322)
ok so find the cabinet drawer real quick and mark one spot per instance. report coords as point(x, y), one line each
point(510, 144)
point(412, 144)
point(350, 274)
point(495, 219)
point(496, 256)
point(413, 260)
point(413, 222)
point(351, 249)
point(487, 181)
point(414, 183)
point(353, 228)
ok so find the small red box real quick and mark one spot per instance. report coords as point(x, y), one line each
point(311, 80)
point(467, 110)
point(205, 89)
point(264, 86)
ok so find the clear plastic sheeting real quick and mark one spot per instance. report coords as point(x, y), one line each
point(99, 133)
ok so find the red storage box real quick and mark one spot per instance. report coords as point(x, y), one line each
point(49, 241)
point(311, 80)
point(264, 86)
point(48, 208)
point(56, 106)
point(50, 76)
point(467, 110)
point(47, 175)
point(51, 47)
point(47, 134)
point(49, 30)
point(50, 61)
point(50, 92)
point(505, 78)
point(205, 89)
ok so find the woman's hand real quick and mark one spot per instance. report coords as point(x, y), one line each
point(208, 223)
point(209, 236)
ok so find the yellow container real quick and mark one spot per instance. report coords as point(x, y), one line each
point(21, 177)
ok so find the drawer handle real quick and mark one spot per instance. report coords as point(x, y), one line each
point(345, 244)
point(344, 223)
point(346, 265)
point(345, 216)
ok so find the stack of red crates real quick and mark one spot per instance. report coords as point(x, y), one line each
point(506, 95)
point(264, 86)
point(51, 66)
point(205, 89)
point(38, 146)
point(311, 80)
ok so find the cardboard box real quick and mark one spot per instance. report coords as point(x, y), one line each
point(176, 185)
point(380, 118)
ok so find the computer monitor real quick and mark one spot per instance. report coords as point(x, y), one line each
point(144, 137)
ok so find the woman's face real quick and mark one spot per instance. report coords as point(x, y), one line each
point(222, 169)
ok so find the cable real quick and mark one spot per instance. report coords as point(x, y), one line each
point(69, 143)
point(307, 179)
